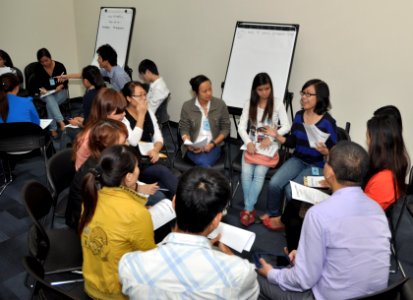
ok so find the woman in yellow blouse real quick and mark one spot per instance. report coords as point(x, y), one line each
point(114, 220)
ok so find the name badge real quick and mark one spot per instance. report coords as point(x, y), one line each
point(52, 81)
point(205, 125)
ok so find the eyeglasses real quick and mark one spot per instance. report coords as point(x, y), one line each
point(304, 94)
point(139, 96)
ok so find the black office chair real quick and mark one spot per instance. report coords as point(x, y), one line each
point(61, 172)
point(163, 120)
point(183, 164)
point(46, 290)
point(400, 290)
point(20, 138)
point(343, 134)
point(59, 250)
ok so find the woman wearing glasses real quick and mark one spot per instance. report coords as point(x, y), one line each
point(305, 160)
point(143, 126)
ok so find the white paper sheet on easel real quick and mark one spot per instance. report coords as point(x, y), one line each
point(237, 238)
point(315, 135)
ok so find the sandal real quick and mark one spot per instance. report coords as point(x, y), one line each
point(268, 225)
point(247, 218)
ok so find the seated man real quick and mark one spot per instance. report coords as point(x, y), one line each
point(158, 91)
point(344, 248)
point(108, 62)
point(185, 265)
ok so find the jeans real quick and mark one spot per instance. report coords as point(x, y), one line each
point(252, 179)
point(205, 159)
point(52, 106)
point(293, 169)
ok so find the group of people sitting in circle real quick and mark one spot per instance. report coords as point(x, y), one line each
point(338, 249)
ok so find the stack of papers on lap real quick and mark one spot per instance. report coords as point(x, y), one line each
point(234, 237)
point(307, 194)
point(199, 144)
point(47, 94)
point(315, 135)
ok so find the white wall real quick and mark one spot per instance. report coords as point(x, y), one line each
point(362, 49)
point(26, 26)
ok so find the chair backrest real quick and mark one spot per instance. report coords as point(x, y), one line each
point(61, 171)
point(21, 136)
point(29, 78)
point(162, 111)
point(38, 202)
point(392, 292)
point(43, 288)
point(343, 134)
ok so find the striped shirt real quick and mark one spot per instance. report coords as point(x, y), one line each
point(299, 139)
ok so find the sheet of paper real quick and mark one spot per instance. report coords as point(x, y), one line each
point(270, 151)
point(199, 144)
point(307, 194)
point(315, 135)
point(314, 181)
point(234, 237)
point(144, 147)
point(44, 123)
point(47, 94)
point(161, 213)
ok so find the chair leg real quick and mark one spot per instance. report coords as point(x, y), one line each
point(8, 177)
point(170, 133)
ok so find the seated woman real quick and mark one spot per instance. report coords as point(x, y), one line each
point(114, 221)
point(12, 107)
point(108, 104)
point(143, 126)
point(104, 133)
point(385, 181)
point(261, 111)
point(389, 160)
point(45, 75)
point(203, 117)
point(306, 159)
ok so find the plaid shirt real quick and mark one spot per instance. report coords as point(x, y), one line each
point(185, 266)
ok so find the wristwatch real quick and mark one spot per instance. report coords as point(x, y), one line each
point(213, 143)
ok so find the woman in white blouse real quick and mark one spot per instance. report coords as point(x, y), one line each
point(262, 113)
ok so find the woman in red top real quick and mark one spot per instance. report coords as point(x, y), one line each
point(389, 160)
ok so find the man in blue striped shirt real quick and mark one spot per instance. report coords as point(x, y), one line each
point(185, 265)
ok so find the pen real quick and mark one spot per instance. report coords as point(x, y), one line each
point(163, 190)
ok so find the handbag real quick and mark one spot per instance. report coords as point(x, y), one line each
point(259, 159)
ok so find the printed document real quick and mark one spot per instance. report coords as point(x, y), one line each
point(307, 194)
point(199, 144)
point(315, 135)
point(234, 237)
point(161, 213)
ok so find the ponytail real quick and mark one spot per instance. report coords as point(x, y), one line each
point(90, 186)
